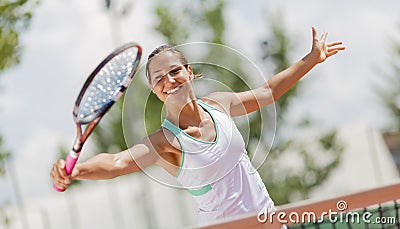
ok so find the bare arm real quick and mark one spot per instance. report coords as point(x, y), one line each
point(246, 102)
point(107, 166)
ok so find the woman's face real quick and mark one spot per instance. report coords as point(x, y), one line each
point(169, 78)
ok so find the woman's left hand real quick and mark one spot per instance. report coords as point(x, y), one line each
point(321, 50)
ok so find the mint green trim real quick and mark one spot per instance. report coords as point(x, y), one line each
point(171, 127)
point(201, 191)
point(175, 130)
point(204, 105)
point(182, 160)
point(208, 107)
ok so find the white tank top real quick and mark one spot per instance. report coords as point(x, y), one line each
point(219, 174)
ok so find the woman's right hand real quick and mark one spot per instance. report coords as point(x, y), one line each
point(59, 177)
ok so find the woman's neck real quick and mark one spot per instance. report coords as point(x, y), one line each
point(185, 115)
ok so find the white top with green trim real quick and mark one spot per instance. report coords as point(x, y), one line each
point(219, 174)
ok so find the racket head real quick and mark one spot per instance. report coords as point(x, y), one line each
point(106, 83)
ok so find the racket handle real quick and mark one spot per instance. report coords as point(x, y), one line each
point(70, 162)
point(58, 189)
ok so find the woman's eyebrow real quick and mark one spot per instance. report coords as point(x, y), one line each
point(170, 68)
point(157, 71)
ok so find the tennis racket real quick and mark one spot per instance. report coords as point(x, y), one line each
point(101, 90)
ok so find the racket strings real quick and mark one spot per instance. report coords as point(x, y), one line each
point(106, 85)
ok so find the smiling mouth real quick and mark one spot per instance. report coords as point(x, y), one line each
point(173, 91)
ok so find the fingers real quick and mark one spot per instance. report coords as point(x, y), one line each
point(334, 43)
point(329, 54)
point(59, 176)
point(323, 37)
point(340, 48)
point(314, 33)
point(335, 46)
point(332, 51)
point(322, 40)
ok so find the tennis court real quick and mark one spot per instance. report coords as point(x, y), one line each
point(375, 208)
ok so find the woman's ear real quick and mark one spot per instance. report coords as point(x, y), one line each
point(151, 86)
point(190, 70)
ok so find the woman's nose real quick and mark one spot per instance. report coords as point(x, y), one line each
point(170, 79)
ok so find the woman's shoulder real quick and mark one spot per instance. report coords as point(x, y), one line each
point(218, 101)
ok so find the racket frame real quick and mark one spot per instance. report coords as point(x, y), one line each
point(81, 137)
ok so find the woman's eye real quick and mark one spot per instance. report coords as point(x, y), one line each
point(158, 78)
point(176, 71)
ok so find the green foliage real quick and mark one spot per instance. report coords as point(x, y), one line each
point(315, 160)
point(14, 18)
point(168, 25)
point(285, 184)
point(4, 154)
point(153, 113)
point(390, 92)
point(204, 20)
point(214, 18)
point(109, 135)
point(280, 58)
point(5, 219)
point(207, 17)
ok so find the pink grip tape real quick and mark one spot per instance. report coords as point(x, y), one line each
point(70, 162)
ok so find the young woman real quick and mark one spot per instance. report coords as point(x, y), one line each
point(198, 142)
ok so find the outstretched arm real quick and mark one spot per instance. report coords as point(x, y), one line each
point(107, 166)
point(283, 81)
point(246, 102)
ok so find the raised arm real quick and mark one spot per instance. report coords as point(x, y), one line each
point(246, 102)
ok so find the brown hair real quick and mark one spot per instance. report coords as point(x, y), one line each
point(165, 48)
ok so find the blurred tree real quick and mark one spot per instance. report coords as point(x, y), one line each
point(285, 184)
point(5, 219)
point(181, 21)
point(3, 156)
point(390, 92)
point(317, 156)
point(15, 16)
point(108, 135)
point(177, 26)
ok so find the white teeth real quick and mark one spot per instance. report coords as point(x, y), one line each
point(173, 90)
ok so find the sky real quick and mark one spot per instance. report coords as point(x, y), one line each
point(67, 39)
